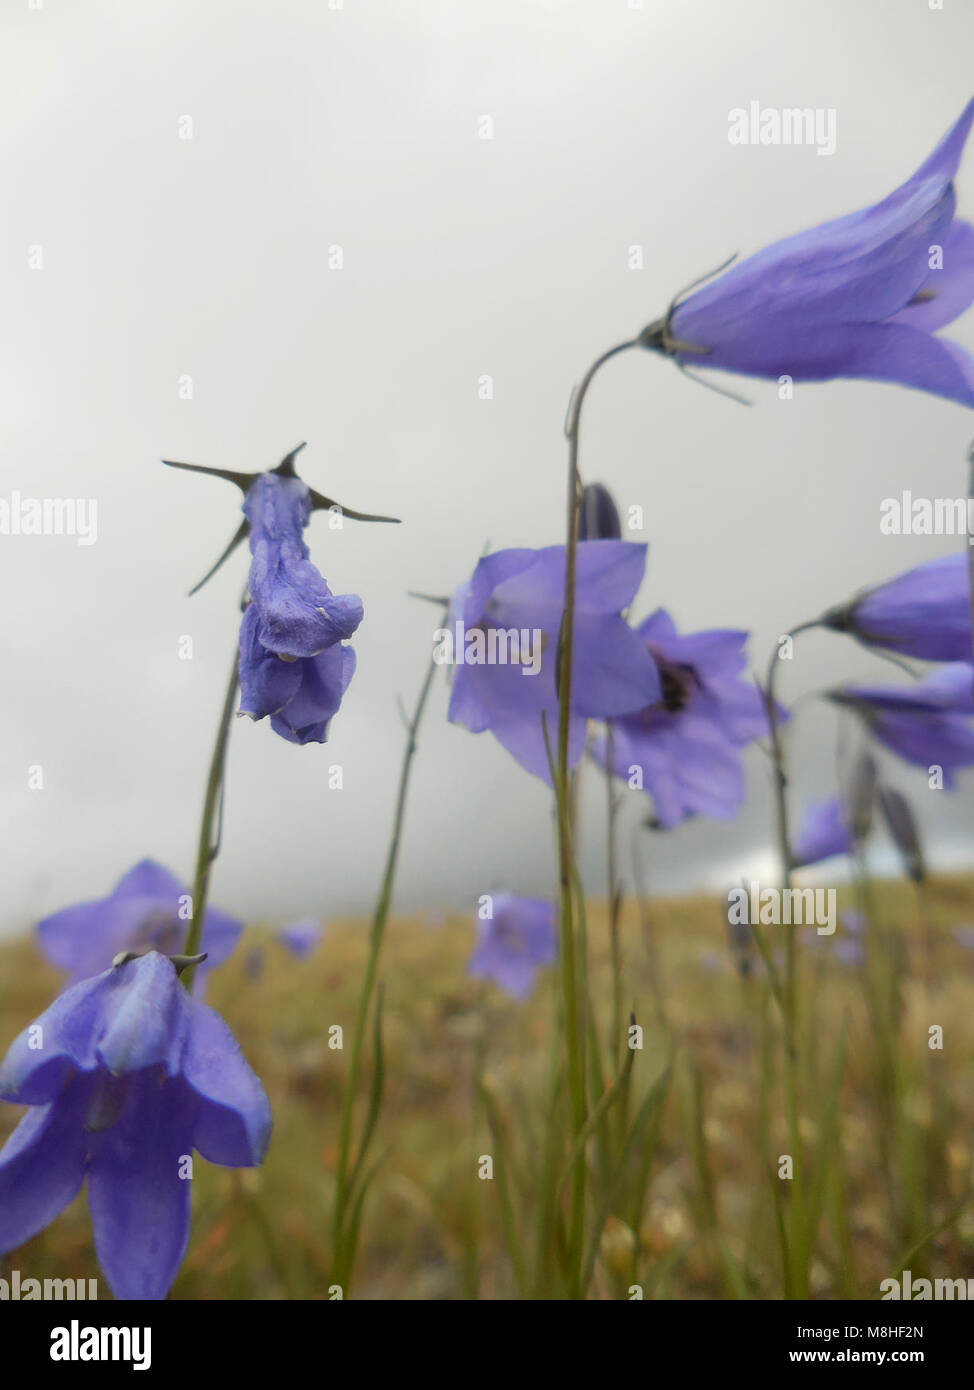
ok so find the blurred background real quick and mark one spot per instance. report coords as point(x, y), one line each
point(260, 224)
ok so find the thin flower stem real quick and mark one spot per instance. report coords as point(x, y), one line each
point(574, 1015)
point(342, 1257)
point(970, 546)
point(789, 996)
point(209, 841)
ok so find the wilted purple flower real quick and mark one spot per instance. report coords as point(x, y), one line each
point(925, 612)
point(301, 937)
point(503, 634)
point(860, 296)
point(293, 666)
point(823, 833)
point(927, 723)
point(125, 1075)
point(514, 941)
point(148, 909)
point(686, 744)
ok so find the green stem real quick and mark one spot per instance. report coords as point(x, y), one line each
point(798, 1241)
point(574, 1016)
point(208, 846)
point(342, 1258)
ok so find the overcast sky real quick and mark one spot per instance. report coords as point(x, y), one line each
point(316, 126)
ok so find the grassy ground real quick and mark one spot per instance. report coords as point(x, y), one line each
point(897, 1166)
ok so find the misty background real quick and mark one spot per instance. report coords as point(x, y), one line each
point(359, 127)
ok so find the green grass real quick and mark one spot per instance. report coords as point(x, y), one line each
point(885, 1165)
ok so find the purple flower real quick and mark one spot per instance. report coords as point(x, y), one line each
point(927, 723)
point(860, 296)
point(125, 1075)
point(964, 936)
point(925, 613)
point(686, 743)
point(301, 938)
point(147, 909)
point(293, 666)
point(503, 635)
point(824, 832)
point(517, 938)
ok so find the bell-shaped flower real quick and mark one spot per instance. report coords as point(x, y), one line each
point(502, 635)
point(684, 748)
point(148, 909)
point(927, 723)
point(125, 1075)
point(301, 937)
point(924, 613)
point(515, 939)
point(860, 296)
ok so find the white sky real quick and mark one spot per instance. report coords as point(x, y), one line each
point(314, 127)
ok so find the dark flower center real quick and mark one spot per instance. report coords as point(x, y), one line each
point(677, 683)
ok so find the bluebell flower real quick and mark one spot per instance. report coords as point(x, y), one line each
point(126, 1075)
point(687, 742)
point(860, 296)
point(927, 723)
point(824, 832)
point(293, 666)
point(301, 938)
point(148, 909)
point(924, 613)
point(512, 609)
point(514, 942)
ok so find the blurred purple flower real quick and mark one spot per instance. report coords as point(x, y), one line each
point(148, 909)
point(253, 966)
point(293, 666)
point(513, 942)
point(860, 296)
point(518, 593)
point(925, 613)
point(823, 833)
point(301, 937)
point(687, 743)
point(130, 1075)
point(927, 723)
point(964, 936)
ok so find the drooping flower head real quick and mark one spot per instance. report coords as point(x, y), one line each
point(927, 723)
point(686, 743)
point(860, 296)
point(293, 666)
point(503, 629)
point(148, 909)
point(301, 938)
point(513, 942)
point(126, 1075)
point(924, 613)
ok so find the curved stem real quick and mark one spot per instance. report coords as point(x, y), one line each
point(574, 1014)
point(208, 846)
point(342, 1259)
